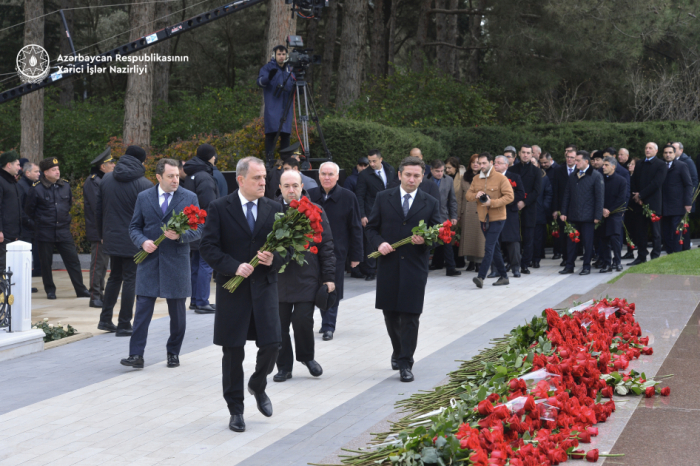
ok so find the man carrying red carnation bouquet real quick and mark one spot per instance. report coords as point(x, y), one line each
point(402, 274)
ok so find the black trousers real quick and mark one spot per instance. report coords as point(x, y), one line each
point(270, 138)
point(3, 254)
point(123, 272)
point(70, 258)
point(587, 231)
point(144, 313)
point(99, 261)
point(444, 256)
point(301, 317)
point(528, 243)
point(403, 333)
point(610, 245)
point(232, 373)
point(367, 266)
point(668, 232)
point(512, 252)
point(642, 225)
point(540, 238)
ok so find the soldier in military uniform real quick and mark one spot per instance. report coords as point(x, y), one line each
point(48, 205)
point(104, 163)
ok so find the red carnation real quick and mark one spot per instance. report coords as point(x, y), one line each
point(649, 392)
point(666, 391)
point(313, 250)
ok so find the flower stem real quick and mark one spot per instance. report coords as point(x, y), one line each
point(376, 254)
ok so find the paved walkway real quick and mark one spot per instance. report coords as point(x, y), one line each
point(76, 405)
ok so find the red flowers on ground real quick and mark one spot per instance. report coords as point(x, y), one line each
point(666, 391)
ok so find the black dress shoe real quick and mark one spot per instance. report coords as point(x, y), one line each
point(394, 364)
point(35, 290)
point(107, 326)
point(208, 309)
point(83, 294)
point(516, 273)
point(370, 277)
point(598, 265)
point(173, 360)
point(493, 274)
point(124, 332)
point(562, 263)
point(606, 269)
point(327, 335)
point(471, 266)
point(406, 375)
point(236, 423)
point(263, 402)
point(476, 268)
point(432, 267)
point(51, 295)
point(133, 361)
point(453, 273)
point(282, 376)
point(96, 303)
point(629, 255)
point(556, 256)
point(565, 271)
point(637, 261)
point(585, 272)
point(618, 268)
point(192, 306)
point(525, 270)
point(536, 265)
point(315, 368)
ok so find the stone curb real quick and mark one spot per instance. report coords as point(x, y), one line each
point(65, 341)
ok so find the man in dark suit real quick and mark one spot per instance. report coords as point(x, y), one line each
point(582, 206)
point(343, 214)
point(404, 273)
point(510, 235)
point(371, 181)
point(532, 183)
point(351, 180)
point(237, 227)
point(683, 157)
point(677, 196)
point(647, 182)
point(611, 230)
point(559, 182)
point(165, 273)
point(448, 211)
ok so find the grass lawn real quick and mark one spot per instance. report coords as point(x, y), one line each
point(682, 263)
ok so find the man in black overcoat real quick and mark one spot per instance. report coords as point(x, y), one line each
point(616, 195)
point(677, 196)
point(10, 204)
point(510, 235)
point(647, 181)
point(559, 181)
point(370, 182)
point(343, 214)
point(532, 183)
point(236, 228)
point(403, 273)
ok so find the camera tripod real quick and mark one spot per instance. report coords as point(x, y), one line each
point(301, 91)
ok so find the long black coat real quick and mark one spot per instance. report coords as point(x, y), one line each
point(48, 206)
point(616, 195)
point(11, 206)
point(300, 283)
point(200, 180)
point(647, 180)
point(532, 183)
point(344, 218)
point(559, 181)
point(511, 229)
point(115, 204)
point(369, 185)
point(252, 311)
point(677, 190)
point(544, 202)
point(402, 274)
point(583, 197)
point(90, 189)
point(25, 184)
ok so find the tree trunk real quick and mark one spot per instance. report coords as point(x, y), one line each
point(328, 52)
point(351, 53)
point(32, 107)
point(161, 70)
point(379, 39)
point(421, 36)
point(138, 99)
point(310, 43)
point(391, 46)
point(66, 96)
point(452, 37)
point(280, 24)
point(473, 63)
point(442, 53)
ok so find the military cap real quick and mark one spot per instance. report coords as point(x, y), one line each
point(48, 163)
point(104, 157)
point(289, 151)
point(8, 157)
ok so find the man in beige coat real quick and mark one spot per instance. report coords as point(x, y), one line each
point(492, 192)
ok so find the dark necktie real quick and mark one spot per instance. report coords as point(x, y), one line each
point(249, 216)
point(405, 204)
point(570, 170)
point(379, 174)
point(164, 205)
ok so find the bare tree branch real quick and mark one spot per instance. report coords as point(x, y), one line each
point(446, 44)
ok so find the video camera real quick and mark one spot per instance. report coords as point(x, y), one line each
point(307, 8)
point(299, 57)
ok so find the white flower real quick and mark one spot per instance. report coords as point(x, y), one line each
point(34, 327)
point(50, 325)
point(46, 319)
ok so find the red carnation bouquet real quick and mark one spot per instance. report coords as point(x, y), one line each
point(441, 233)
point(189, 219)
point(555, 229)
point(293, 230)
point(683, 226)
point(650, 213)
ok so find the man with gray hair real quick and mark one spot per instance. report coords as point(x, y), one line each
point(237, 227)
point(343, 213)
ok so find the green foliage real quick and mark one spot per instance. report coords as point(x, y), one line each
point(54, 332)
point(77, 212)
point(424, 99)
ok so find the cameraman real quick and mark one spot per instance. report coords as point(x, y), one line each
point(277, 81)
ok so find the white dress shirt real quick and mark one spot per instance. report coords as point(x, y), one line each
point(161, 196)
point(410, 199)
point(245, 201)
point(381, 174)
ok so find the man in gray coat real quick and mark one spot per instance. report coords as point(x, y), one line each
point(448, 210)
point(166, 271)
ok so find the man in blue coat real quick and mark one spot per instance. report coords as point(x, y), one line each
point(277, 81)
point(166, 271)
point(683, 157)
point(676, 199)
point(615, 196)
